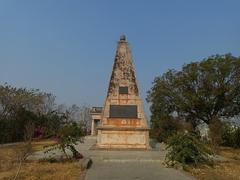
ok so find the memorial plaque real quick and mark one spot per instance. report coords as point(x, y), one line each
point(123, 90)
point(123, 111)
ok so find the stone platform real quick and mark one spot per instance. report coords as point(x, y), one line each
point(125, 138)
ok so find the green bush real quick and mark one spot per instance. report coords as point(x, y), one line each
point(187, 149)
point(237, 138)
point(230, 135)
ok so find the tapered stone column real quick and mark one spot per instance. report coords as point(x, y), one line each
point(123, 123)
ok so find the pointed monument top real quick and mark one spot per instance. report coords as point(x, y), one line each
point(123, 73)
point(123, 38)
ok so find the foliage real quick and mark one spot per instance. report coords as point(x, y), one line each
point(68, 136)
point(169, 126)
point(224, 133)
point(75, 113)
point(216, 132)
point(20, 107)
point(186, 148)
point(12, 128)
point(230, 135)
point(199, 92)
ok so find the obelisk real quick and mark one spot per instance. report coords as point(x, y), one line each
point(123, 122)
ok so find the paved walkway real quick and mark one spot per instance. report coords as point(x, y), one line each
point(131, 165)
point(126, 164)
point(132, 171)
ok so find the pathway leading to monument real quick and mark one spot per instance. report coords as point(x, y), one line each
point(129, 165)
point(132, 171)
point(124, 164)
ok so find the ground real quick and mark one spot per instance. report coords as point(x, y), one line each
point(225, 169)
point(115, 164)
point(125, 164)
point(33, 169)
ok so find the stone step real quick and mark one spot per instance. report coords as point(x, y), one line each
point(134, 160)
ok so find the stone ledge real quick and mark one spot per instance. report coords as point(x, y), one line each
point(85, 163)
point(122, 128)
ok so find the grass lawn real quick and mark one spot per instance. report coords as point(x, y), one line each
point(225, 170)
point(34, 169)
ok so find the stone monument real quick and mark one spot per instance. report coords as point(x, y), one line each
point(123, 123)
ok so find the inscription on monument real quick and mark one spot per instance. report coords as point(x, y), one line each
point(123, 111)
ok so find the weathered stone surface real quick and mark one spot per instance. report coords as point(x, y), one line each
point(123, 138)
point(130, 130)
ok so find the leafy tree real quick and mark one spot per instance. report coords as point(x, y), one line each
point(199, 92)
point(169, 126)
point(12, 99)
point(21, 106)
point(12, 128)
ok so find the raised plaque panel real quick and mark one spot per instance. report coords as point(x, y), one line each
point(123, 90)
point(123, 111)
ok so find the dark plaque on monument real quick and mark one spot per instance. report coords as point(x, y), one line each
point(123, 111)
point(123, 90)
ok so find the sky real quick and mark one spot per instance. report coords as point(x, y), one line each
point(67, 47)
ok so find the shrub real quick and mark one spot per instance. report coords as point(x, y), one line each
point(236, 138)
point(224, 134)
point(187, 149)
point(227, 135)
point(230, 135)
point(68, 136)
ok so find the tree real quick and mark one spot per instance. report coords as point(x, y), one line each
point(12, 99)
point(199, 92)
point(20, 106)
point(48, 105)
point(76, 113)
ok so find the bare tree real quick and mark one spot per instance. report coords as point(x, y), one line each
point(26, 149)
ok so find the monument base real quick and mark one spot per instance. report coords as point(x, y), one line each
point(123, 138)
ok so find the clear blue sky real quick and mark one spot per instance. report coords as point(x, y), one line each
point(67, 47)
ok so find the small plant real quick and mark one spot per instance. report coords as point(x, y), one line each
point(187, 149)
point(68, 136)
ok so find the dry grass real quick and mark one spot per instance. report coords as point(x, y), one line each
point(44, 171)
point(228, 170)
point(34, 170)
point(229, 153)
point(221, 171)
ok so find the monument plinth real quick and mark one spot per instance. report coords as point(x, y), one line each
point(123, 123)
